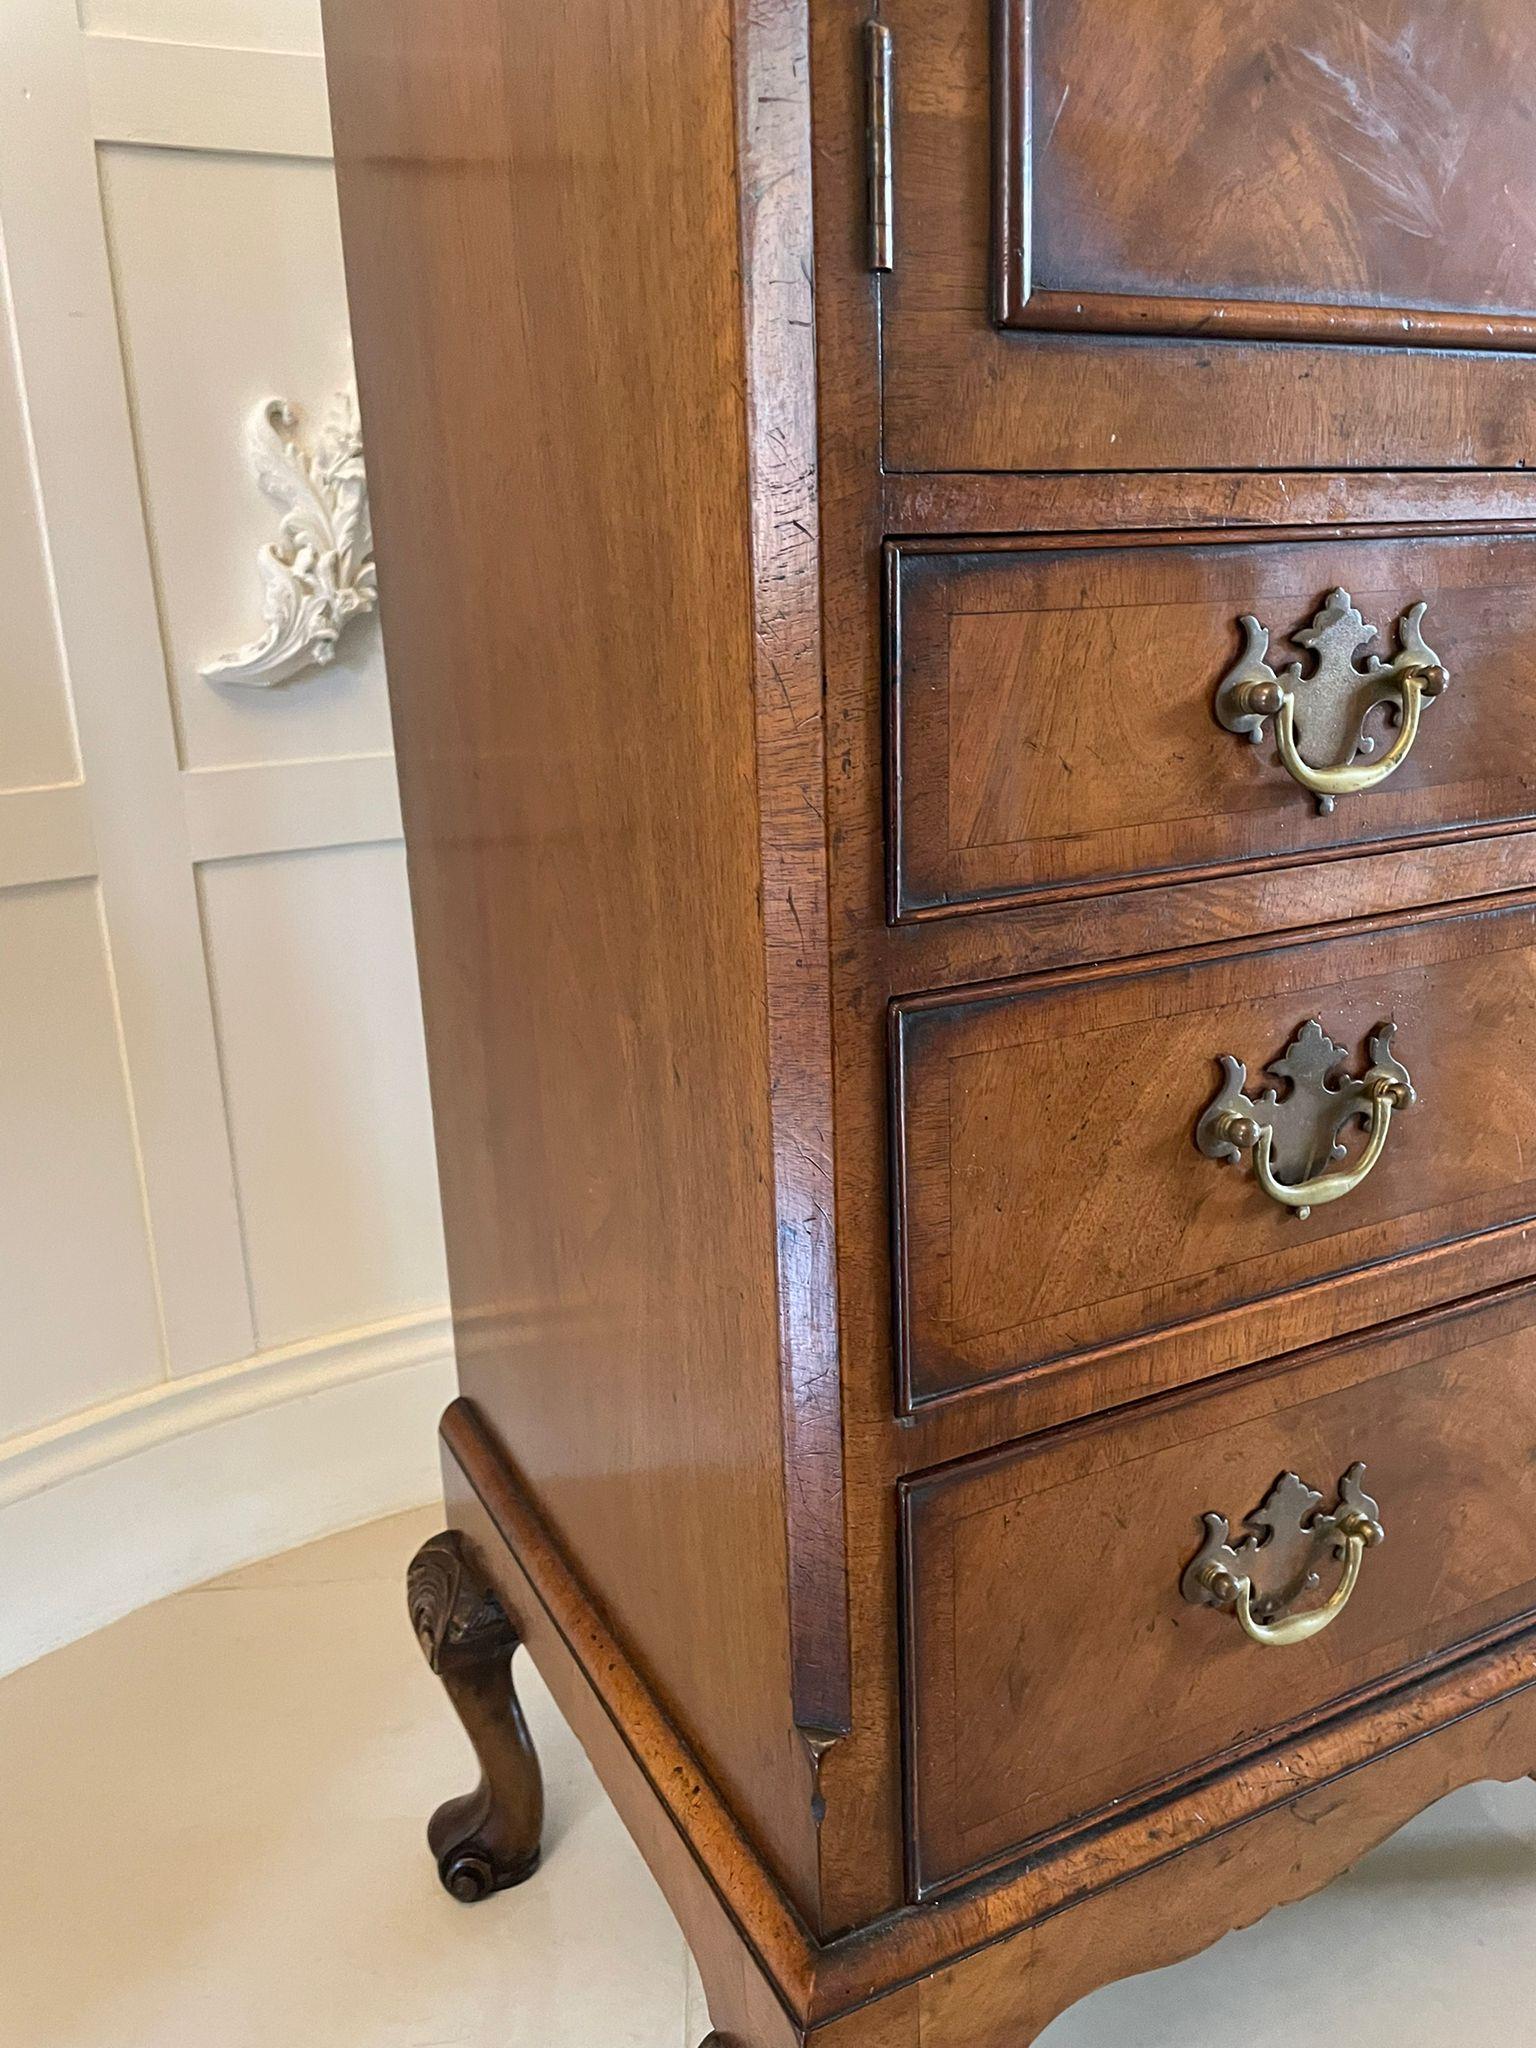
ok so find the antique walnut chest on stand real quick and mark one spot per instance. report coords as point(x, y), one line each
point(960, 584)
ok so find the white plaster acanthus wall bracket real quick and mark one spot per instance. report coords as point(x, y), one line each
point(318, 574)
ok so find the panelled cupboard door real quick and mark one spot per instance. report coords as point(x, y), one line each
point(1211, 234)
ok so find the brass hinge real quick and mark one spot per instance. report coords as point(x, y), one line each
point(877, 140)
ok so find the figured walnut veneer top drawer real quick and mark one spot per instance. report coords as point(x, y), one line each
point(1053, 720)
point(1054, 1664)
point(1052, 1203)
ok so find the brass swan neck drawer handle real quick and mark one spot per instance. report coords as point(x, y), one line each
point(1335, 700)
point(1293, 1138)
point(1277, 1561)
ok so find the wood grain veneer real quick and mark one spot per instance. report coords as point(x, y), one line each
point(1050, 706)
point(579, 761)
point(1309, 259)
point(1050, 1198)
point(1083, 1537)
point(1311, 174)
point(643, 432)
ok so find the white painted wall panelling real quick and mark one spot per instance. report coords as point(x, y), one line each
point(275, 806)
point(86, 482)
point(37, 727)
point(315, 987)
point(238, 24)
point(189, 96)
point(210, 1056)
point(78, 1313)
point(146, 1496)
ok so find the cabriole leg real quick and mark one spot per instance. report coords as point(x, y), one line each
point(489, 1839)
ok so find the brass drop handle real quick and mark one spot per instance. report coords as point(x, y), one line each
point(1295, 1628)
point(1382, 1093)
point(1276, 1562)
point(1319, 1103)
point(1335, 699)
point(1415, 684)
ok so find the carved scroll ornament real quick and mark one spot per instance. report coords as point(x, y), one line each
point(318, 574)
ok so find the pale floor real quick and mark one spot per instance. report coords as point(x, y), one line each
point(210, 1837)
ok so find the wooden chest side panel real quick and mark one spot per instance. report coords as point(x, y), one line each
point(1055, 1667)
point(1052, 1201)
point(544, 257)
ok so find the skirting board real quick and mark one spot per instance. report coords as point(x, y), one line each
point(109, 1510)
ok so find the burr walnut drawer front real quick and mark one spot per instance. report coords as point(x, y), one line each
point(1223, 1565)
point(1069, 717)
point(1183, 1164)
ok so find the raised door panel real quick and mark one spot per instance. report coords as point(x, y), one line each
point(79, 1311)
point(1104, 224)
point(1085, 1537)
point(1053, 707)
point(319, 1021)
point(1053, 1204)
point(1306, 171)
